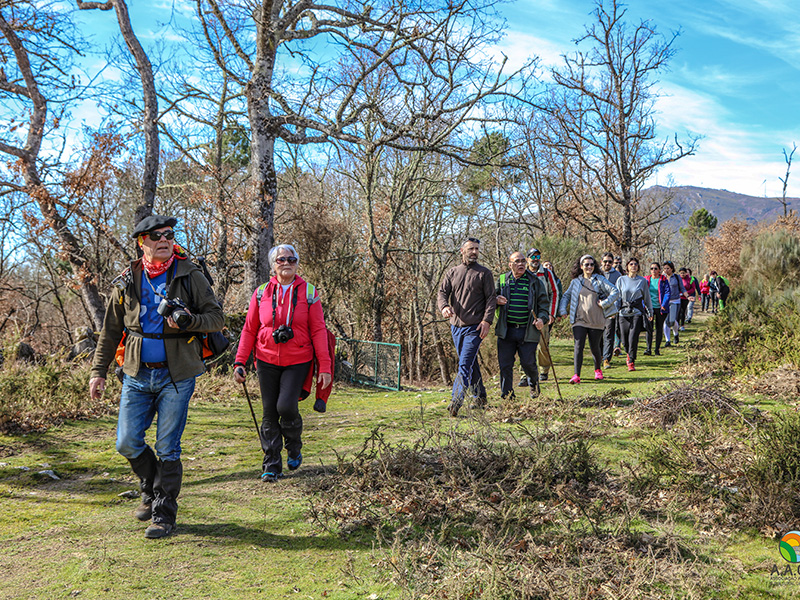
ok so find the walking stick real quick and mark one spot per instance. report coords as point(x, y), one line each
point(546, 347)
point(252, 412)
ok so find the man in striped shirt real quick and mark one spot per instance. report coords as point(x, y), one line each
point(548, 279)
point(522, 312)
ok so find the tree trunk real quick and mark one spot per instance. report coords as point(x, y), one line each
point(150, 116)
point(444, 370)
point(264, 179)
point(378, 299)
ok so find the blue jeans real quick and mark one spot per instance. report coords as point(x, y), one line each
point(467, 341)
point(150, 392)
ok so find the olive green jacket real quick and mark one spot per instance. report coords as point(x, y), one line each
point(184, 354)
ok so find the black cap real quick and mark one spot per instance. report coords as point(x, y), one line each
point(534, 251)
point(152, 223)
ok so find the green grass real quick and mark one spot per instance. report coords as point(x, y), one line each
point(240, 538)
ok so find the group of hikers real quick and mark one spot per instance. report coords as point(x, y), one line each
point(607, 303)
point(162, 311)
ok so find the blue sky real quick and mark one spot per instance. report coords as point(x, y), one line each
point(734, 80)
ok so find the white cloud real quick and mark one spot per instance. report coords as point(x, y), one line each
point(732, 156)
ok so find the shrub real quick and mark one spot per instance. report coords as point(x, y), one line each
point(34, 397)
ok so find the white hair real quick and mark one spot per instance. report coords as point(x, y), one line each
point(273, 254)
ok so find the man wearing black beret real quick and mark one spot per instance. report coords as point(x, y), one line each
point(159, 309)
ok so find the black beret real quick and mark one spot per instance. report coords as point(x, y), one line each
point(152, 223)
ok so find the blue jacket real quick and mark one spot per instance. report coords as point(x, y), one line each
point(606, 292)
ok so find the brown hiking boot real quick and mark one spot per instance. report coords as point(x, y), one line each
point(143, 512)
point(158, 530)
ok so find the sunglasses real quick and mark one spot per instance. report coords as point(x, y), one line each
point(286, 259)
point(535, 256)
point(157, 235)
point(587, 264)
point(655, 268)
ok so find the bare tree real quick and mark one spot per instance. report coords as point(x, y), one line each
point(604, 122)
point(446, 82)
point(785, 179)
point(46, 31)
point(150, 113)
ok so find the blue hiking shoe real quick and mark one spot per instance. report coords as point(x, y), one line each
point(270, 477)
point(294, 463)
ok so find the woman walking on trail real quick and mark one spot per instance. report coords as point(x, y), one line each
point(676, 292)
point(635, 307)
point(286, 327)
point(659, 299)
point(685, 313)
point(705, 291)
point(589, 300)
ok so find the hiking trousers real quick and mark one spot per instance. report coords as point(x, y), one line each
point(282, 423)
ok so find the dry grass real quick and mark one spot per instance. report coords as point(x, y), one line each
point(485, 514)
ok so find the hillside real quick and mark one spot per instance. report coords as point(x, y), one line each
point(722, 204)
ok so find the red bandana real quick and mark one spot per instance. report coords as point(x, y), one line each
point(156, 269)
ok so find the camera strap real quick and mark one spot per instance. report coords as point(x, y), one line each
point(293, 291)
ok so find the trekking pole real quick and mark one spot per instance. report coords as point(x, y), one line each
point(546, 347)
point(252, 412)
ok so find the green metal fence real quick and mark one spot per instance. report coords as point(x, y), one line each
point(376, 364)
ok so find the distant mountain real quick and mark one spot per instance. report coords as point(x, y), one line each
point(722, 204)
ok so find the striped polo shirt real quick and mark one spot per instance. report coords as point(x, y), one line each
point(518, 291)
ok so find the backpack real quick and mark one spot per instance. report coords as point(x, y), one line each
point(310, 291)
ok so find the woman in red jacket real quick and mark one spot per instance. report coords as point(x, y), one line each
point(287, 331)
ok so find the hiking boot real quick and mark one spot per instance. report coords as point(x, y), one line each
point(575, 379)
point(294, 463)
point(666, 345)
point(543, 376)
point(524, 381)
point(606, 363)
point(598, 374)
point(647, 353)
point(270, 477)
point(158, 530)
point(617, 351)
point(658, 353)
point(535, 391)
point(453, 409)
point(144, 512)
point(676, 339)
point(631, 366)
point(682, 328)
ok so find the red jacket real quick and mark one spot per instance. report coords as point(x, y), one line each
point(308, 323)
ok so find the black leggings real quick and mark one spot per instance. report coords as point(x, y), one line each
point(595, 345)
point(658, 327)
point(682, 312)
point(280, 393)
point(630, 328)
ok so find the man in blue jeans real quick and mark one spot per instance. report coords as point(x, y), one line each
point(467, 298)
point(162, 359)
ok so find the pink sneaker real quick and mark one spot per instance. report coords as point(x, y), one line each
point(575, 379)
point(598, 374)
